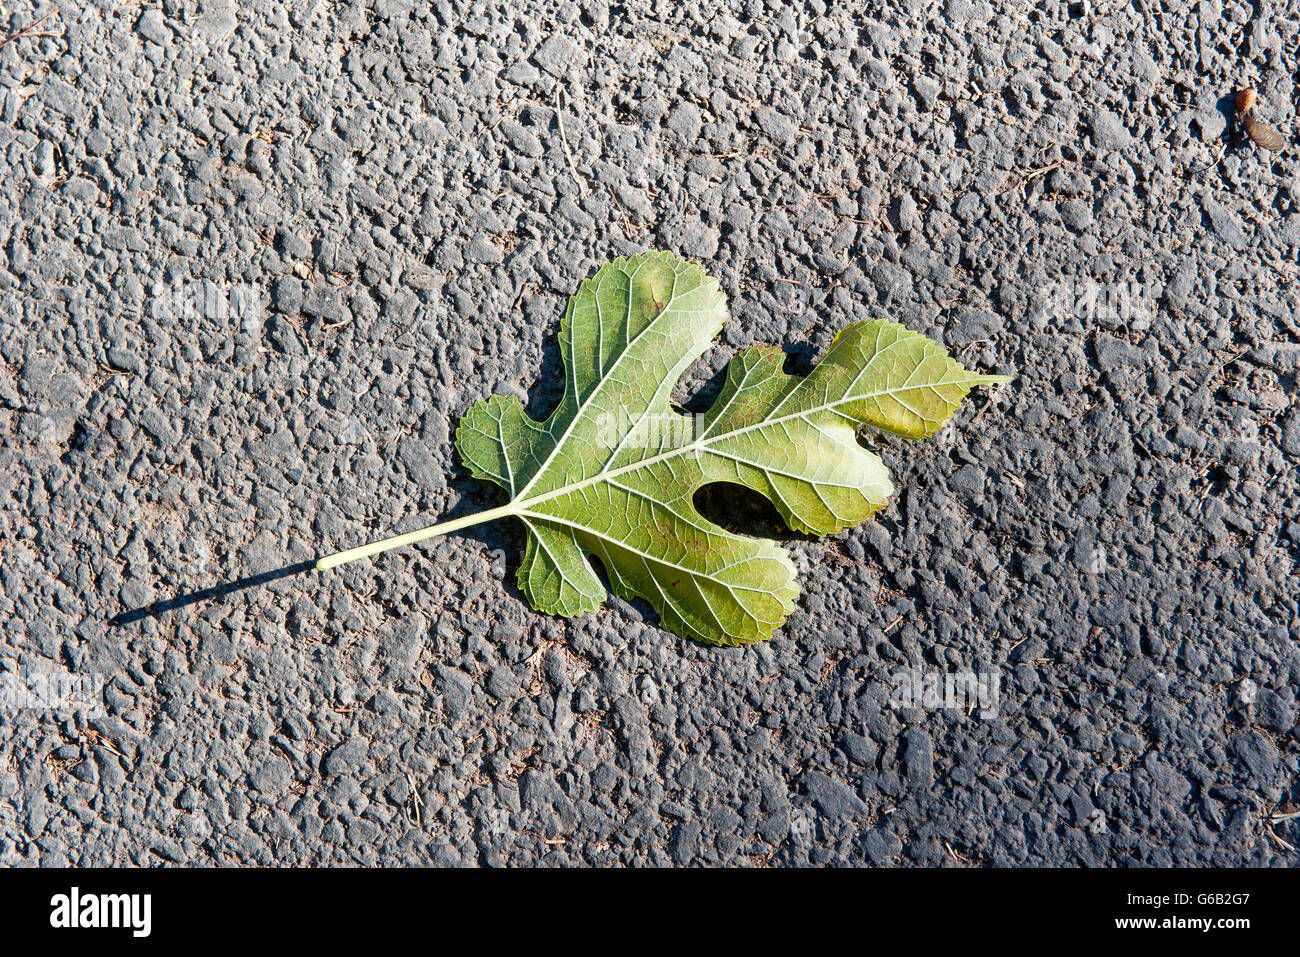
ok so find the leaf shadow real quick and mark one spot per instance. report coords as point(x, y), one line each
point(546, 390)
point(218, 591)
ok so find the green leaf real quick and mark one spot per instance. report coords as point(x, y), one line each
point(611, 473)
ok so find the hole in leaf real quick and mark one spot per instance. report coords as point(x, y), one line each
point(800, 357)
point(741, 510)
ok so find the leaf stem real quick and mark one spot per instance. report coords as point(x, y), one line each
point(397, 541)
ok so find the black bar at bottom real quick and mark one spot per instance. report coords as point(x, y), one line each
point(590, 908)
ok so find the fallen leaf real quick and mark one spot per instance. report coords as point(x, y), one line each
point(612, 472)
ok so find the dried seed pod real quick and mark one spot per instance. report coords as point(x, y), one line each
point(1263, 134)
point(1259, 131)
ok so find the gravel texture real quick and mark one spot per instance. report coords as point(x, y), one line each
point(255, 262)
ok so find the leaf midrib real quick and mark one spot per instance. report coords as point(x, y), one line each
point(526, 504)
point(606, 374)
